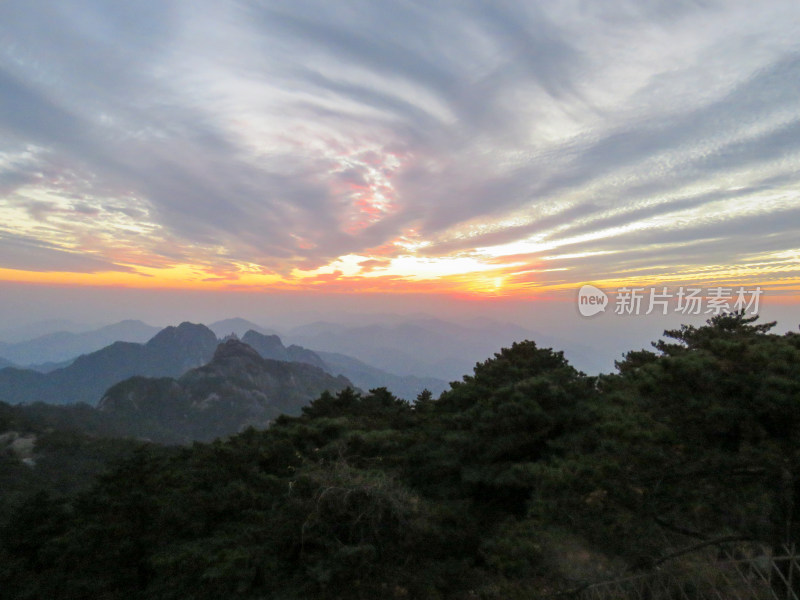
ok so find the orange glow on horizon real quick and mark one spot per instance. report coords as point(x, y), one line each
point(507, 282)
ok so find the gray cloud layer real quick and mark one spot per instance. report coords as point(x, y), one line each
point(242, 132)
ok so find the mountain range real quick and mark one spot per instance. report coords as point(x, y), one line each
point(237, 326)
point(29, 331)
point(62, 346)
point(405, 356)
point(368, 377)
point(169, 353)
point(236, 389)
point(361, 374)
point(424, 347)
point(49, 350)
point(418, 345)
point(174, 350)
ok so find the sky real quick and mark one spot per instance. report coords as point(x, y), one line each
point(402, 154)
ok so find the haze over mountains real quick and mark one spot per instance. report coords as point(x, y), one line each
point(429, 347)
point(61, 346)
point(237, 326)
point(361, 374)
point(405, 355)
point(235, 390)
point(169, 353)
point(62, 341)
point(28, 331)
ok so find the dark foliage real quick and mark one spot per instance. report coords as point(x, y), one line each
point(526, 476)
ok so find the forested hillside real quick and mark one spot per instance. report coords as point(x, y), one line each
point(526, 478)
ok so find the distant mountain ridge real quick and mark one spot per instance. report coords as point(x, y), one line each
point(427, 346)
point(237, 326)
point(64, 345)
point(174, 350)
point(271, 346)
point(236, 389)
point(29, 331)
point(424, 347)
point(361, 374)
point(169, 353)
point(367, 377)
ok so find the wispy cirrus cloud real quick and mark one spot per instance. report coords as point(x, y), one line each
point(546, 141)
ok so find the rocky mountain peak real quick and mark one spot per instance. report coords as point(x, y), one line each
point(185, 334)
point(234, 349)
